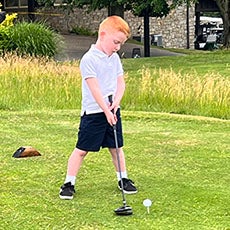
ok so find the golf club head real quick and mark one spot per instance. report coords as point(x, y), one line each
point(124, 211)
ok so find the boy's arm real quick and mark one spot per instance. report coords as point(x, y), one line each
point(96, 92)
point(119, 93)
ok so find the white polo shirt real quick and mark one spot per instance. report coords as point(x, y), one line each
point(106, 69)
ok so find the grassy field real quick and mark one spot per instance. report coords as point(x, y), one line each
point(179, 162)
point(201, 63)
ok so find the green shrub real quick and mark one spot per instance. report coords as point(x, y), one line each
point(4, 31)
point(9, 20)
point(4, 39)
point(83, 31)
point(34, 39)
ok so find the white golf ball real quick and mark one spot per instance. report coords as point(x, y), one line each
point(147, 202)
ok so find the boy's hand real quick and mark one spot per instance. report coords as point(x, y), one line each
point(111, 117)
point(113, 108)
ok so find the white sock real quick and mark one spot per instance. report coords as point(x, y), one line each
point(123, 175)
point(71, 179)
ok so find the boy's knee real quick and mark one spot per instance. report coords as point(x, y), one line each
point(80, 152)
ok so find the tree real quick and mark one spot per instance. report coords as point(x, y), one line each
point(224, 6)
point(146, 9)
point(149, 8)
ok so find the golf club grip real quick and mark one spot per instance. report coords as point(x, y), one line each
point(111, 101)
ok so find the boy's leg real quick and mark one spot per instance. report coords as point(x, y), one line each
point(128, 184)
point(75, 161)
point(121, 157)
point(74, 164)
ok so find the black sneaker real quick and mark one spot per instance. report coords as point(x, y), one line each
point(66, 192)
point(128, 185)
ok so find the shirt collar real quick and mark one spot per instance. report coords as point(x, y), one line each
point(98, 52)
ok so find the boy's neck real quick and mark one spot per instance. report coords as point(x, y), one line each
point(98, 46)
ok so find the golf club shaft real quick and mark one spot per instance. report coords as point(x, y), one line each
point(117, 154)
point(119, 164)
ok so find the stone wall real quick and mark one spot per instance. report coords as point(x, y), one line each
point(172, 29)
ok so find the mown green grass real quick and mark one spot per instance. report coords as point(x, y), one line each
point(207, 62)
point(179, 162)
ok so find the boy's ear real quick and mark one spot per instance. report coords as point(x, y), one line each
point(102, 33)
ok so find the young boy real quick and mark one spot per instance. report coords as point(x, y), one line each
point(102, 76)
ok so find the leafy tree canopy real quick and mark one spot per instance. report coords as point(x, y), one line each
point(154, 8)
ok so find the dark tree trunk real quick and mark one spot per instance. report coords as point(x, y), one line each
point(224, 6)
point(146, 34)
point(31, 10)
point(116, 10)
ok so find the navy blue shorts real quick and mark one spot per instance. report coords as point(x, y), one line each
point(95, 132)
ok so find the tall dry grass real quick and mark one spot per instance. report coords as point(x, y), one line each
point(170, 91)
point(32, 83)
point(37, 83)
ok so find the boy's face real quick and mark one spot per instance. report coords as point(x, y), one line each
point(112, 42)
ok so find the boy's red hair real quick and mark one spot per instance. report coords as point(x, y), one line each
point(115, 23)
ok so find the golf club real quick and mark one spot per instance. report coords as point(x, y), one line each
point(124, 210)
